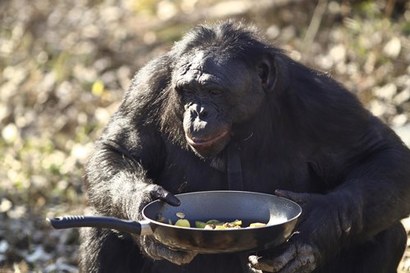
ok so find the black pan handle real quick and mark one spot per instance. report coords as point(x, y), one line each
point(75, 221)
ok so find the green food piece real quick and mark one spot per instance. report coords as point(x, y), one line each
point(217, 225)
point(213, 222)
point(183, 223)
point(199, 224)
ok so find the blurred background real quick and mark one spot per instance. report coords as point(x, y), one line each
point(64, 66)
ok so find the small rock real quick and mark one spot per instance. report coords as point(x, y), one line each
point(338, 53)
point(399, 120)
point(10, 133)
point(38, 255)
point(4, 246)
point(392, 48)
point(386, 92)
point(402, 97)
point(5, 205)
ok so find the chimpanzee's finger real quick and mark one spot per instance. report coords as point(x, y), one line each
point(304, 261)
point(256, 264)
point(157, 251)
point(164, 195)
point(276, 264)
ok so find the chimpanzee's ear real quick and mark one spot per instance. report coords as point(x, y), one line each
point(272, 72)
point(266, 72)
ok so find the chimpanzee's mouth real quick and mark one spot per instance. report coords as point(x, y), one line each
point(204, 142)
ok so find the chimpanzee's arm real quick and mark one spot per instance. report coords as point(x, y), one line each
point(130, 152)
point(377, 184)
point(363, 164)
point(373, 196)
point(364, 171)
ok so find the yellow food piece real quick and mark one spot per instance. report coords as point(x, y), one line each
point(236, 223)
point(215, 224)
point(180, 215)
point(257, 224)
point(183, 223)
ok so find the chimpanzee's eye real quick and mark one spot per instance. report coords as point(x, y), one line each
point(183, 90)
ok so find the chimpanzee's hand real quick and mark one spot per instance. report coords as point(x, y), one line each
point(158, 192)
point(152, 247)
point(134, 203)
point(297, 258)
point(158, 251)
point(320, 227)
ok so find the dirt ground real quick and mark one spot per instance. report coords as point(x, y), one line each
point(64, 66)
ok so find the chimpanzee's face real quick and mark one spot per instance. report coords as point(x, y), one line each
point(216, 92)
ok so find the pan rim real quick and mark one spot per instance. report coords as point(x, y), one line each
point(299, 208)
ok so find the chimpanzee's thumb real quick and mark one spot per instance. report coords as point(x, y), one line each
point(164, 195)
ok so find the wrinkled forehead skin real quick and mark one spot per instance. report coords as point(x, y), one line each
point(210, 70)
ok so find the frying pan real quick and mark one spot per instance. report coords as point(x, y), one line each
point(279, 214)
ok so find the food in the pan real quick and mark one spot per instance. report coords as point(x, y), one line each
point(214, 224)
point(182, 223)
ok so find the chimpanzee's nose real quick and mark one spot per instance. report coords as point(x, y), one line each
point(198, 111)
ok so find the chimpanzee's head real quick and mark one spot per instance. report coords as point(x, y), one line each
point(221, 77)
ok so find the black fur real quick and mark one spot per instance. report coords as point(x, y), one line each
point(296, 128)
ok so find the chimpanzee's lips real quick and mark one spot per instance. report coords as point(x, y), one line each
point(204, 142)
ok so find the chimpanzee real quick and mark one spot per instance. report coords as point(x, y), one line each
point(225, 110)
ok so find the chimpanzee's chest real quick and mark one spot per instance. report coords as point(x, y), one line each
point(185, 172)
